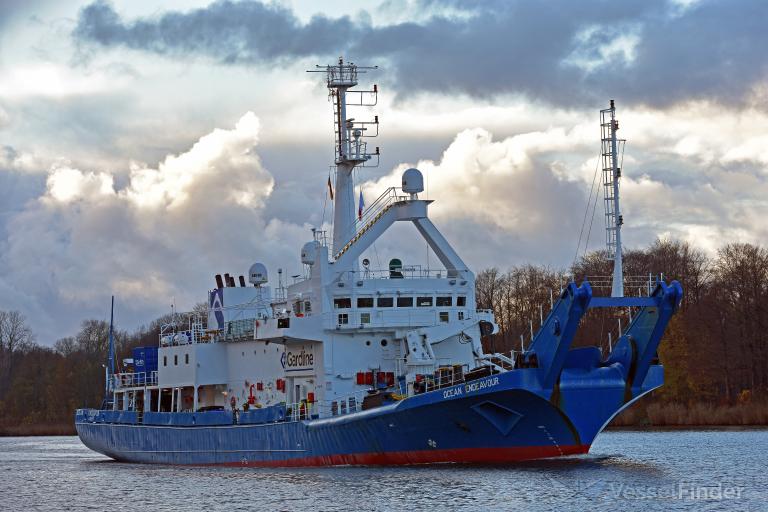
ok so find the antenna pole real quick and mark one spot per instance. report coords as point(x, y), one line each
point(111, 349)
point(617, 290)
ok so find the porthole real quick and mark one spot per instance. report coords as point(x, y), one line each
point(383, 343)
point(368, 342)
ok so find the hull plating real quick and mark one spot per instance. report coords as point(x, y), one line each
point(496, 421)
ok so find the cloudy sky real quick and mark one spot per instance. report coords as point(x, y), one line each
point(147, 145)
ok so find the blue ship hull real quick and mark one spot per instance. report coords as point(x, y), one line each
point(554, 403)
point(500, 423)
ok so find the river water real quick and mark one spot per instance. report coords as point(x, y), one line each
point(648, 471)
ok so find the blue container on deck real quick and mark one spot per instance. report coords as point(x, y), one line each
point(144, 362)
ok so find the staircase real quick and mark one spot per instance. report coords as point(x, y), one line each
point(371, 215)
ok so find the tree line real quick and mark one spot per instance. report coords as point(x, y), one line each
point(714, 349)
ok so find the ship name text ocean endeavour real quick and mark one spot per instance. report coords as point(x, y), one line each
point(471, 387)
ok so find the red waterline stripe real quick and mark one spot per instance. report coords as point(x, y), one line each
point(461, 456)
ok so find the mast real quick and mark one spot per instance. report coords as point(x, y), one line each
point(110, 351)
point(350, 148)
point(609, 125)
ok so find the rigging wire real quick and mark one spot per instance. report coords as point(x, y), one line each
point(586, 210)
point(589, 231)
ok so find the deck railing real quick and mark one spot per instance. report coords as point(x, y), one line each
point(135, 379)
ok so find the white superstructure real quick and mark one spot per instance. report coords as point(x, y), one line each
point(324, 341)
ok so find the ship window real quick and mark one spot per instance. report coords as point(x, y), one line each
point(175, 360)
point(343, 319)
point(444, 316)
point(444, 301)
point(186, 358)
point(368, 343)
point(383, 343)
point(405, 302)
point(424, 302)
point(461, 315)
point(307, 306)
point(365, 302)
point(165, 360)
point(461, 301)
point(342, 303)
point(385, 302)
point(365, 318)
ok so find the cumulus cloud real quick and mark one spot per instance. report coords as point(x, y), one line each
point(565, 53)
point(160, 235)
point(522, 198)
point(502, 201)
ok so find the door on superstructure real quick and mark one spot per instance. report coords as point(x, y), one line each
point(297, 393)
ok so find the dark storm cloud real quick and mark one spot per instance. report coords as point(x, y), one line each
point(709, 50)
point(230, 32)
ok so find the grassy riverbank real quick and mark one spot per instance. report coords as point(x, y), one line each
point(55, 429)
point(656, 414)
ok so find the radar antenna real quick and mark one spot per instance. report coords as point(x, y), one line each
point(609, 125)
point(351, 147)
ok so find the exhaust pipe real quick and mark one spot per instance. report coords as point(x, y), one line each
point(219, 282)
point(242, 281)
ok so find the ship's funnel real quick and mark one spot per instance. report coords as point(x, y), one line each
point(242, 281)
point(219, 282)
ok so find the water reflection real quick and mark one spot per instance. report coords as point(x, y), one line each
point(623, 468)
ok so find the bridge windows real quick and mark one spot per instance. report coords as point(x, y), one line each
point(461, 301)
point(446, 301)
point(385, 302)
point(342, 303)
point(424, 302)
point(405, 302)
point(365, 302)
point(343, 319)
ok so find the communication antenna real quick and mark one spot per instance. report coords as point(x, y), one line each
point(350, 145)
point(609, 125)
point(110, 368)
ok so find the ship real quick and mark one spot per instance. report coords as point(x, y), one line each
point(351, 365)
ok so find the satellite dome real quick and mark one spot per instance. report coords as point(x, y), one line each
point(309, 253)
point(413, 181)
point(257, 274)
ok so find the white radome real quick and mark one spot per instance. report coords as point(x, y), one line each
point(257, 274)
point(413, 181)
